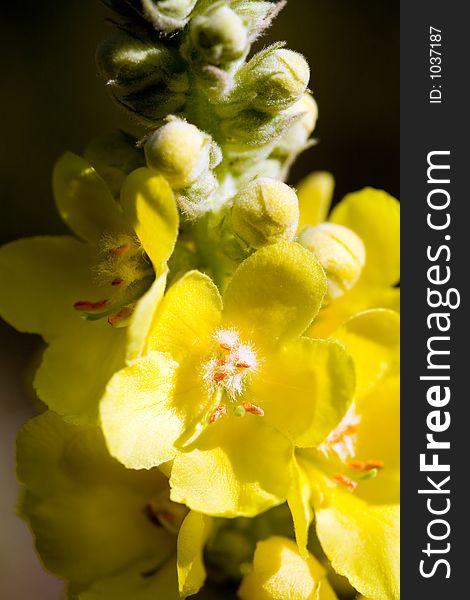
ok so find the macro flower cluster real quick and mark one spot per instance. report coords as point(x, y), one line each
point(220, 376)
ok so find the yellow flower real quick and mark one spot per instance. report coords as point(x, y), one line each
point(110, 532)
point(374, 216)
point(280, 573)
point(115, 268)
point(351, 480)
point(228, 389)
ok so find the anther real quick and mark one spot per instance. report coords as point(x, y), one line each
point(120, 250)
point(219, 376)
point(86, 305)
point(116, 282)
point(242, 365)
point(226, 347)
point(218, 413)
point(367, 465)
point(122, 314)
point(344, 481)
point(253, 409)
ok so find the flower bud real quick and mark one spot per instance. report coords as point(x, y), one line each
point(276, 77)
point(219, 35)
point(156, 102)
point(195, 200)
point(296, 137)
point(181, 153)
point(130, 64)
point(340, 252)
point(265, 211)
point(114, 156)
point(168, 15)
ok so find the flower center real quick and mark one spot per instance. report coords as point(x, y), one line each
point(342, 443)
point(123, 267)
point(228, 371)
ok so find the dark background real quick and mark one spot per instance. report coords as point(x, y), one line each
point(52, 100)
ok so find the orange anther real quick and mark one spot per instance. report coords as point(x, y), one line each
point(242, 365)
point(344, 481)
point(120, 250)
point(122, 314)
point(357, 465)
point(374, 464)
point(253, 409)
point(218, 413)
point(219, 376)
point(86, 305)
point(226, 347)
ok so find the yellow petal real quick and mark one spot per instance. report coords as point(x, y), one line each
point(375, 216)
point(191, 539)
point(275, 293)
point(150, 208)
point(362, 297)
point(239, 466)
point(305, 389)
point(362, 543)
point(379, 438)
point(299, 501)
point(76, 368)
point(84, 200)
point(280, 573)
point(188, 317)
point(132, 585)
point(140, 417)
point(148, 406)
point(82, 504)
point(315, 194)
point(143, 317)
point(373, 339)
point(42, 279)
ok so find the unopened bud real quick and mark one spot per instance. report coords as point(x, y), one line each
point(340, 252)
point(181, 153)
point(168, 15)
point(296, 137)
point(276, 77)
point(114, 156)
point(265, 211)
point(219, 35)
point(156, 102)
point(130, 64)
point(195, 200)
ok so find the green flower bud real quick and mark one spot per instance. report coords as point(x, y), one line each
point(195, 200)
point(181, 153)
point(219, 35)
point(168, 15)
point(265, 211)
point(114, 156)
point(340, 252)
point(296, 137)
point(130, 64)
point(155, 103)
point(276, 78)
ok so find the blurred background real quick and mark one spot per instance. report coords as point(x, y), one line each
point(52, 100)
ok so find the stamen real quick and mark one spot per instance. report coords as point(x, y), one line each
point(344, 481)
point(253, 409)
point(218, 377)
point(218, 413)
point(116, 282)
point(86, 305)
point(120, 250)
point(242, 365)
point(367, 465)
point(125, 312)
